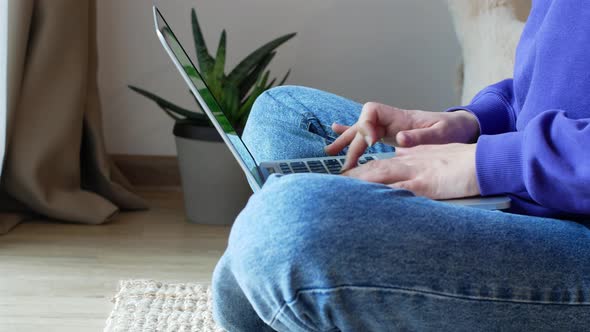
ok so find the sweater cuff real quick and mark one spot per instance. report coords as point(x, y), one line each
point(499, 164)
point(492, 112)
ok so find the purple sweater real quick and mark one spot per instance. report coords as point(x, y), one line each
point(535, 127)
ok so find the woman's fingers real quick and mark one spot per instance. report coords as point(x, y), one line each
point(339, 129)
point(355, 151)
point(381, 171)
point(368, 130)
point(341, 142)
point(431, 135)
point(368, 122)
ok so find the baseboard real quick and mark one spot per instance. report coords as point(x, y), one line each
point(149, 171)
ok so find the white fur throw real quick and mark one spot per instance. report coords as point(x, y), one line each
point(488, 31)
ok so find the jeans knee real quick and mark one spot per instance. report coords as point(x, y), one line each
point(222, 292)
point(288, 92)
point(300, 209)
point(291, 221)
point(276, 217)
point(232, 309)
point(281, 208)
point(273, 101)
point(288, 202)
point(269, 115)
point(295, 233)
point(272, 244)
point(262, 105)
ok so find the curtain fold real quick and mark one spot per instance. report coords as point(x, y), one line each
point(56, 165)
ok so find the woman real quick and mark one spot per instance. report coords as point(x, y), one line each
point(370, 250)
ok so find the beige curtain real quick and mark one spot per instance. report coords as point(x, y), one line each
point(56, 165)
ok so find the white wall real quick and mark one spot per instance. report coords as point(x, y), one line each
point(400, 52)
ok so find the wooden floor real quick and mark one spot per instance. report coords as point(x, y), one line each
point(61, 277)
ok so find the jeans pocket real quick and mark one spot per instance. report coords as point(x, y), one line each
point(313, 125)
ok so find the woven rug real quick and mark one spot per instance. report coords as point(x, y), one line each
point(147, 305)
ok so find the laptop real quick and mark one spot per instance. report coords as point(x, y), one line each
point(258, 172)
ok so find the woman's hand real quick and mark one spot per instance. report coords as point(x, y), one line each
point(404, 128)
point(435, 171)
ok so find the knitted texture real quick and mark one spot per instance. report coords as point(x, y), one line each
point(147, 305)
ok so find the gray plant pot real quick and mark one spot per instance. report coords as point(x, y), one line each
point(215, 188)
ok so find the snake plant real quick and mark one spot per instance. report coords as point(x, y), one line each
point(236, 91)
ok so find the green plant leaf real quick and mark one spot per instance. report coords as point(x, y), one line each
point(247, 105)
point(171, 114)
point(271, 84)
point(264, 80)
point(231, 102)
point(201, 122)
point(219, 68)
point(216, 88)
point(285, 78)
point(168, 106)
point(206, 61)
point(246, 66)
point(236, 92)
point(247, 84)
point(191, 71)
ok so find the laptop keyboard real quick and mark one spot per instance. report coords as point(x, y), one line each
point(327, 166)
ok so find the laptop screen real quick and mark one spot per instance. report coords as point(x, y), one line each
point(207, 100)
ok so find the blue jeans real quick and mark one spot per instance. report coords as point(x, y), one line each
point(328, 253)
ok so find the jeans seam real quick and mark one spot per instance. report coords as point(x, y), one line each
point(305, 117)
point(309, 115)
point(276, 100)
point(300, 324)
point(412, 291)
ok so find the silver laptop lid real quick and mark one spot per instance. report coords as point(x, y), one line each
point(206, 99)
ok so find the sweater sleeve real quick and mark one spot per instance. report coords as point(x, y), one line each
point(493, 108)
point(542, 157)
point(548, 160)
